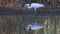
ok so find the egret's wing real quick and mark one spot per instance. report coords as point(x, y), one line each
point(36, 27)
point(37, 5)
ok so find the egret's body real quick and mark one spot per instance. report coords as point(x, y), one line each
point(34, 5)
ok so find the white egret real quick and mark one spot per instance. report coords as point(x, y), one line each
point(34, 5)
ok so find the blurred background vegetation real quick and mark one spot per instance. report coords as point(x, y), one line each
point(20, 2)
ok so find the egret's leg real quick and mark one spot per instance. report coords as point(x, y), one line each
point(35, 13)
point(35, 23)
point(35, 10)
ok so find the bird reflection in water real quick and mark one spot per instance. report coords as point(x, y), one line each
point(34, 27)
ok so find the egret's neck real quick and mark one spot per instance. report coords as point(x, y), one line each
point(29, 26)
point(29, 6)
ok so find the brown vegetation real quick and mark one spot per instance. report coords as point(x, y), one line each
point(5, 2)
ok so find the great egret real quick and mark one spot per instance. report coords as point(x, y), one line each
point(34, 5)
